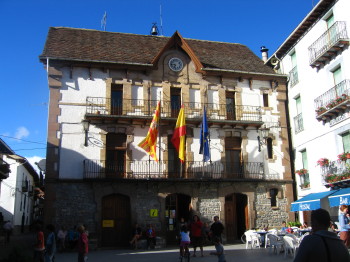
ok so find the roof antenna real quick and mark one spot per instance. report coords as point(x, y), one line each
point(154, 29)
point(104, 21)
point(161, 20)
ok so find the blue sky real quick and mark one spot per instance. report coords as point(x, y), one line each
point(24, 25)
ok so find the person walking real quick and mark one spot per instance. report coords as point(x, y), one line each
point(344, 225)
point(39, 246)
point(217, 228)
point(219, 250)
point(83, 245)
point(322, 245)
point(8, 227)
point(61, 236)
point(50, 250)
point(196, 234)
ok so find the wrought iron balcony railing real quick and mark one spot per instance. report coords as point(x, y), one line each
point(298, 123)
point(144, 108)
point(293, 77)
point(335, 36)
point(336, 172)
point(336, 96)
point(137, 169)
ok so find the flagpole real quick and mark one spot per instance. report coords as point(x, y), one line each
point(159, 137)
point(203, 140)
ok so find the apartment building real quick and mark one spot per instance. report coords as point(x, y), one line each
point(317, 60)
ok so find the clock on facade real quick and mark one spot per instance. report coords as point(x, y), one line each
point(176, 64)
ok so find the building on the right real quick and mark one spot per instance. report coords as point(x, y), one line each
point(316, 58)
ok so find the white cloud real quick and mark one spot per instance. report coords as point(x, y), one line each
point(21, 132)
point(32, 161)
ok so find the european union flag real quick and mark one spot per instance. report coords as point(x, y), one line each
point(204, 138)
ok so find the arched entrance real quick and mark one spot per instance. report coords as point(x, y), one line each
point(115, 220)
point(177, 206)
point(236, 216)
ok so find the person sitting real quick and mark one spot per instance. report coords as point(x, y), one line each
point(151, 237)
point(284, 227)
point(322, 245)
point(136, 235)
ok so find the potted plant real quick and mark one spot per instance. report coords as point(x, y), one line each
point(323, 162)
point(343, 156)
point(302, 171)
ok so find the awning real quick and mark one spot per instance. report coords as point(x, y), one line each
point(341, 197)
point(311, 201)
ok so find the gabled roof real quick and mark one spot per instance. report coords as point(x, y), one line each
point(92, 46)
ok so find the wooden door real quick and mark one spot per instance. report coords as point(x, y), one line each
point(230, 106)
point(117, 99)
point(116, 228)
point(116, 155)
point(233, 157)
point(236, 216)
point(175, 94)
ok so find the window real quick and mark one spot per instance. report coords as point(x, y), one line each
point(195, 102)
point(273, 196)
point(269, 148)
point(337, 76)
point(293, 74)
point(298, 119)
point(266, 100)
point(137, 95)
point(346, 141)
point(213, 99)
point(304, 179)
point(330, 21)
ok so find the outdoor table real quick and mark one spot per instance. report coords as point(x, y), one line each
point(262, 237)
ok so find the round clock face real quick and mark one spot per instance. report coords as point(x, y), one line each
point(176, 64)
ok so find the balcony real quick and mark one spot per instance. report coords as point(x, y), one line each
point(140, 110)
point(293, 77)
point(172, 170)
point(336, 174)
point(329, 44)
point(333, 103)
point(4, 169)
point(298, 123)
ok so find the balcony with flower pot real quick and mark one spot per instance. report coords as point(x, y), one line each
point(336, 174)
point(333, 103)
point(304, 178)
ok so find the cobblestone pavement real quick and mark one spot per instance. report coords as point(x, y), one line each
point(236, 253)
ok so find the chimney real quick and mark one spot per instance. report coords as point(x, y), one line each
point(264, 53)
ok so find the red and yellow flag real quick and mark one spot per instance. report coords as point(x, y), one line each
point(179, 135)
point(149, 143)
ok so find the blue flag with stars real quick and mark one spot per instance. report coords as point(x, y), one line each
point(204, 138)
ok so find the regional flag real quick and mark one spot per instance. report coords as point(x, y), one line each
point(204, 138)
point(179, 135)
point(149, 143)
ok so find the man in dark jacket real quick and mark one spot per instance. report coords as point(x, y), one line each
point(322, 245)
point(216, 228)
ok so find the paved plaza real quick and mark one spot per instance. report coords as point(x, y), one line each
point(236, 253)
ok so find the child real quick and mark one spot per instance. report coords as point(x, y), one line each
point(151, 237)
point(219, 250)
point(185, 240)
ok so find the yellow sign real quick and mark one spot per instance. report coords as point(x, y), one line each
point(153, 212)
point(107, 223)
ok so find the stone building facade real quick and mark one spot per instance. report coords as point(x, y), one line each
point(110, 83)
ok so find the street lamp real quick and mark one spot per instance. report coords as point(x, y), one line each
point(86, 125)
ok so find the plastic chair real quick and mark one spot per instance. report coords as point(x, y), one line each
point(252, 239)
point(290, 246)
point(275, 243)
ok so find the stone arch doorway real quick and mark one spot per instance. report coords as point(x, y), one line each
point(236, 216)
point(177, 206)
point(115, 221)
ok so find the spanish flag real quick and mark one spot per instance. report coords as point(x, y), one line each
point(149, 143)
point(179, 135)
